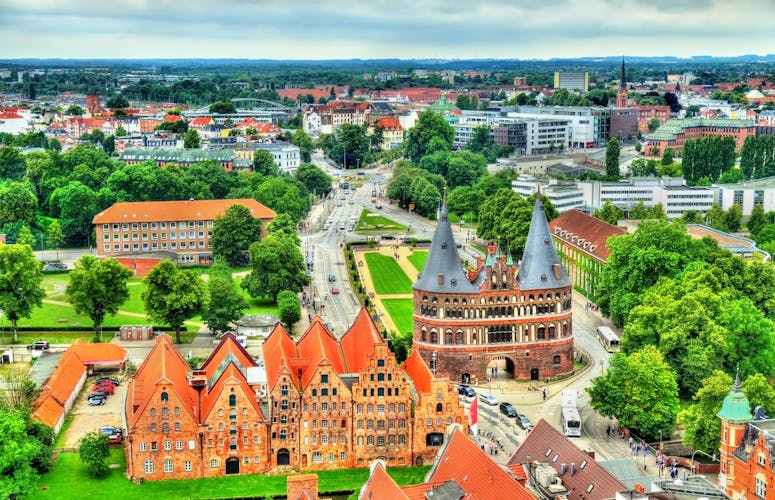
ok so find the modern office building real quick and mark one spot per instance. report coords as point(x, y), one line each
point(564, 195)
point(572, 80)
point(747, 194)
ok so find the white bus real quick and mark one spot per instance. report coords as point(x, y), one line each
point(571, 421)
point(608, 338)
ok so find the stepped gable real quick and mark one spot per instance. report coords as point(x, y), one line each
point(317, 344)
point(278, 349)
point(443, 272)
point(418, 371)
point(163, 364)
point(358, 342)
point(541, 268)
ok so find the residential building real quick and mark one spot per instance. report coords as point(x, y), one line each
point(183, 157)
point(581, 242)
point(392, 132)
point(287, 156)
point(181, 229)
point(11, 122)
point(747, 194)
point(498, 312)
point(674, 133)
point(572, 80)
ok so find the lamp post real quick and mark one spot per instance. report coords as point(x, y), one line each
point(694, 464)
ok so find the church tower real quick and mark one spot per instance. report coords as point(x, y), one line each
point(735, 413)
point(622, 100)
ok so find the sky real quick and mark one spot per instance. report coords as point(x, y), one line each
point(373, 29)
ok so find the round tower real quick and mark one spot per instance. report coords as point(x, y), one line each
point(735, 413)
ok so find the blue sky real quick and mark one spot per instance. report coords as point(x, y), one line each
point(341, 29)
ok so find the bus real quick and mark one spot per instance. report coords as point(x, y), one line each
point(608, 338)
point(571, 421)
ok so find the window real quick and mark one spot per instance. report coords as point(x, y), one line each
point(148, 467)
point(142, 446)
point(370, 440)
point(214, 462)
point(324, 379)
point(168, 466)
point(177, 426)
point(232, 400)
point(187, 466)
point(154, 446)
point(380, 440)
point(191, 444)
point(761, 487)
point(179, 445)
point(317, 458)
point(153, 412)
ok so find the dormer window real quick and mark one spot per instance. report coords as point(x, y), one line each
point(543, 278)
point(440, 279)
point(546, 241)
point(453, 282)
point(443, 245)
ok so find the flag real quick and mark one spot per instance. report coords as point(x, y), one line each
point(474, 413)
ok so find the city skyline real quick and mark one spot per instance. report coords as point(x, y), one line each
point(139, 29)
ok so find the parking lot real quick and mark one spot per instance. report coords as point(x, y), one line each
point(87, 418)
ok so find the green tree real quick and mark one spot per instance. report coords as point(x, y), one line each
point(191, 140)
point(428, 126)
point(94, 450)
point(284, 226)
point(25, 236)
point(305, 144)
point(290, 308)
point(612, 159)
point(757, 220)
point(74, 110)
point(733, 219)
point(12, 165)
point(610, 213)
point(702, 427)
point(233, 233)
point(226, 304)
point(173, 295)
point(377, 137)
point(283, 196)
point(277, 265)
point(117, 102)
point(77, 207)
point(351, 147)
point(465, 168)
point(120, 132)
point(316, 180)
point(482, 142)
point(505, 217)
point(97, 288)
point(264, 164)
point(18, 478)
point(465, 199)
point(640, 391)
point(667, 156)
point(653, 124)
point(21, 287)
point(223, 108)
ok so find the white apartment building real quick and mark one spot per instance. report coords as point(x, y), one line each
point(747, 194)
point(564, 196)
point(286, 155)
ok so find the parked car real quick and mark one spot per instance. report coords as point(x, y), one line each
point(374, 200)
point(335, 290)
point(378, 206)
point(113, 381)
point(488, 398)
point(97, 399)
point(111, 430)
point(114, 439)
point(104, 388)
point(508, 410)
point(55, 266)
point(466, 391)
point(331, 277)
point(39, 345)
point(524, 422)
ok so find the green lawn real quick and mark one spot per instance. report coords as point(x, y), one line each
point(69, 479)
point(387, 275)
point(418, 258)
point(370, 222)
point(401, 310)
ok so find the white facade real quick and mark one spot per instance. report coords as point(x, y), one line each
point(286, 155)
point(564, 196)
point(12, 123)
point(747, 194)
point(312, 124)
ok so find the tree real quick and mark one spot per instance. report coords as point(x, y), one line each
point(94, 450)
point(191, 140)
point(283, 196)
point(640, 391)
point(120, 132)
point(223, 108)
point(77, 207)
point(351, 146)
point(284, 226)
point(667, 156)
point(429, 124)
point(316, 180)
point(290, 308)
point(21, 287)
point(653, 124)
point(264, 164)
point(612, 159)
point(277, 265)
point(305, 144)
point(226, 304)
point(18, 478)
point(465, 168)
point(733, 219)
point(74, 110)
point(233, 233)
point(97, 288)
point(117, 102)
point(702, 427)
point(482, 142)
point(25, 236)
point(12, 165)
point(757, 220)
point(610, 213)
point(173, 295)
point(20, 392)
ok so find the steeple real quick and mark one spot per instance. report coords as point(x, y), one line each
point(623, 77)
point(541, 267)
point(443, 271)
point(622, 98)
point(735, 407)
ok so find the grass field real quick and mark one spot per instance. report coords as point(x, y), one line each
point(69, 479)
point(418, 258)
point(387, 275)
point(401, 311)
point(369, 222)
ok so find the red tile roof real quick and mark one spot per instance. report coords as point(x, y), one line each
point(98, 354)
point(201, 120)
point(228, 346)
point(152, 211)
point(278, 348)
point(172, 118)
point(381, 486)
point(10, 116)
point(418, 371)
point(596, 232)
point(544, 442)
point(389, 123)
point(359, 340)
point(65, 378)
point(318, 344)
point(47, 409)
point(462, 461)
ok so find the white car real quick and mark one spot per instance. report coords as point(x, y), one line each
point(488, 398)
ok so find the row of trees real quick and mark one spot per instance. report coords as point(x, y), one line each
point(707, 158)
point(757, 156)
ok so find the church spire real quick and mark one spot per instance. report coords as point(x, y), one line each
point(623, 77)
point(540, 267)
point(622, 99)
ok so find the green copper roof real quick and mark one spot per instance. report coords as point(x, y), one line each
point(488, 262)
point(735, 407)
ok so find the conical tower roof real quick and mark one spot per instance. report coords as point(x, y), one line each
point(735, 407)
point(443, 272)
point(538, 269)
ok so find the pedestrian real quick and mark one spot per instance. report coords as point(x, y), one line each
point(630, 441)
point(544, 393)
point(608, 432)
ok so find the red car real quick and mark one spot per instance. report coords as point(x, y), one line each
point(335, 291)
point(114, 439)
point(105, 388)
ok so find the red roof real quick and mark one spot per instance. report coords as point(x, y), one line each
point(98, 354)
point(47, 409)
point(173, 118)
point(295, 93)
point(278, 348)
point(389, 123)
point(231, 376)
point(462, 461)
point(10, 116)
point(546, 443)
point(424, 94)
point(418, 371)
point(153, 211)
point(594, 232)
point(359, 340)
point(67, 374)
point(381, 486)
point(318, 344)
point(198, 120)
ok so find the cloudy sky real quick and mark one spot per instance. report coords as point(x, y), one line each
point(342, 29)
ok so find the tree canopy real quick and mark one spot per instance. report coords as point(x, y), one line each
point(429, 125)
point(21, 288)
point(18, 477)
point(226, 303)
point(277, 265)
point(233, 233)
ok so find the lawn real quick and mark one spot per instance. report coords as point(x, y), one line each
point(69, 479)
point(369, 222)
point(387, 275)
point(401, 311)
point(418, 258)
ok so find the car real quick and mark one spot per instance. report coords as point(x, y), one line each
point(378, 206)
point(39, 345)
point(508, 410)
point(335, 291)
point(339, 204)
point(466, 391)
point(524, 422)
point(351, 202)
point(55, 266)
point(99, 393)
point(115, 439)
point(111, 430)
point(104, 388)
point(341, 227)
point(102, 380)
point(374, 200)
point(331, 278)
point(488, 398)
point(97, 399)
